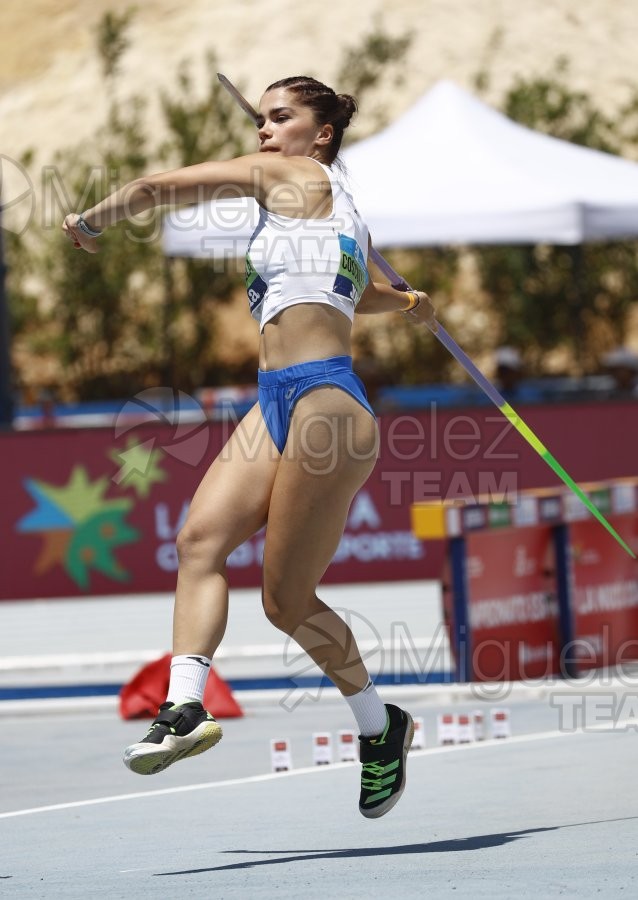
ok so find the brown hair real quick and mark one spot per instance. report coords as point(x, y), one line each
point(328, 107)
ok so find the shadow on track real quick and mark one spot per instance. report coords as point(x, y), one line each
point(476, 842)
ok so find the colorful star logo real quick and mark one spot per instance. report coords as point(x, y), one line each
point(80, 528)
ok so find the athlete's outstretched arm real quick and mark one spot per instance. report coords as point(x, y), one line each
point(246, 176)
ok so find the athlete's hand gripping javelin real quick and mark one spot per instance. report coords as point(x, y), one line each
point(423, 313)
point(82, 237)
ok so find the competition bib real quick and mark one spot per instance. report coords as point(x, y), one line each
point(352, 276)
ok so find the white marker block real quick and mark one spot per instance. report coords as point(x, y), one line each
point(479, 725)
point(501, 723)
point(418, 741)
point(465, 729)
point(348, 746)
point(280, 756)
point(446, 728)
point(322, 748)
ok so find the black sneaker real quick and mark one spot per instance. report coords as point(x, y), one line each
point(383, 758)
point(185, 729)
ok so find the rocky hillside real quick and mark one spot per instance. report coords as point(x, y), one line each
point(51, 92)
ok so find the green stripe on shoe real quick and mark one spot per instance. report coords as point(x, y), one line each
point(389, 780)
point(380, 796)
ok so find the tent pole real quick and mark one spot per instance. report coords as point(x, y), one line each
point(575, 300)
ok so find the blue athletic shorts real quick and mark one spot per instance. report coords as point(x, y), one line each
point(279, 390)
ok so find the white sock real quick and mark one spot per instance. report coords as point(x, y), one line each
point(188, 678)
point(368, 710)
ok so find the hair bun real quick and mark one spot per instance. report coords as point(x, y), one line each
point(347, 108)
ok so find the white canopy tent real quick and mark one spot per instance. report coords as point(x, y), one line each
point(452, 170)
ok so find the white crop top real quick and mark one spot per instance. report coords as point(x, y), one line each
point(292, 261)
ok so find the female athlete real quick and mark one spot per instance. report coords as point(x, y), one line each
point(296, 460)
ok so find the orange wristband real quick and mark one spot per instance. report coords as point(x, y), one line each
point(414, 301)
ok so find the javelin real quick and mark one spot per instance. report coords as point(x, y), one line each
point(466, 363)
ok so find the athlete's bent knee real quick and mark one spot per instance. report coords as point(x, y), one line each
point(284, 616)
point(195, 543)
